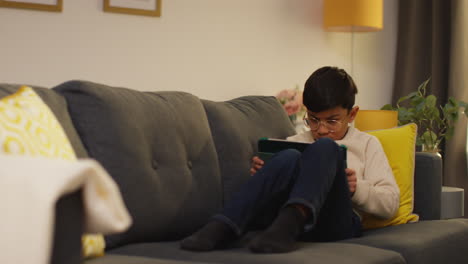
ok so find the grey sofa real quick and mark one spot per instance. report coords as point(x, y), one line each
point(177, 159)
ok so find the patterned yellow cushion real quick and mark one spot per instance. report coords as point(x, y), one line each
point(93, 245)
point(28, 127)
point(399, 145)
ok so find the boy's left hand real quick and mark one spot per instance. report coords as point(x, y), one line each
point(352, 180)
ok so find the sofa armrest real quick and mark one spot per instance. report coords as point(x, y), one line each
point(68, 229)
point(427, 185)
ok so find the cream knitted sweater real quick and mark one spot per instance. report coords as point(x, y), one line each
point(376, 191)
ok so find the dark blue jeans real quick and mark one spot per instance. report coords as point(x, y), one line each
point(314, 178)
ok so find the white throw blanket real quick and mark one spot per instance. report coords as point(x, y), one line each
point(30, 188)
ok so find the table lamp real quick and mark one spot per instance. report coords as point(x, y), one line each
point(375, 119)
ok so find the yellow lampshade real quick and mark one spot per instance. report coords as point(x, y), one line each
point(353, 15)
point(375, 119)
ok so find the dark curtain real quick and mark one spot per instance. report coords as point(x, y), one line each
point(425, 49)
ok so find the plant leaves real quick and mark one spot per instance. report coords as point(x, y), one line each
point(387, 107)
point(453, 102)
point(431, 101)
point(403, 98)
point(435, 122)
point(433, 113)
point(429, 138)
point(418, 141)
point(422, 87)
point(404, 116)
point(418, 102)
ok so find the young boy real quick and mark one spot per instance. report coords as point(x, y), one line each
point(311, 195)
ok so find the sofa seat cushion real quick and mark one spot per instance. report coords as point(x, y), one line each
point(436, 241)
point(121, 259)
point(329, 253)
point(236, 126)
point(158, 148)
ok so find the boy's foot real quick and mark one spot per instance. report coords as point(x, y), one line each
point(213, 235)
point(280, 237)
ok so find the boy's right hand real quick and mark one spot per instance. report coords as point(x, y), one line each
point(257, 164)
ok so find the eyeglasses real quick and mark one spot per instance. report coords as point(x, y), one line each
point(314, 124)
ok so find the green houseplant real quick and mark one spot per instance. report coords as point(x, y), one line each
point(435, 123)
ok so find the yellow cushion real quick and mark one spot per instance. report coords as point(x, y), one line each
point(93, 245)
point(28, 127)
point(399, 145)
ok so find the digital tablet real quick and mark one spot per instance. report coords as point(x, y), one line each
point(267, 147)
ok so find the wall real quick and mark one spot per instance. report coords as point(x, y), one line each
point(214, 49)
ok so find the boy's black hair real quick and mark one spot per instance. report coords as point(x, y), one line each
point(329, 87)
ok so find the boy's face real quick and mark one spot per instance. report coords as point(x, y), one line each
point(331, 123)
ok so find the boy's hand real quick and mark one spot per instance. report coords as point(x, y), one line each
point(257, 164)
point(352, 180)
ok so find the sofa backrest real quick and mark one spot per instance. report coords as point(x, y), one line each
point(158, 148)
point(236, 126)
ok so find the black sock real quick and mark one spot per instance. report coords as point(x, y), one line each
point(213, 235)
point(281, 236)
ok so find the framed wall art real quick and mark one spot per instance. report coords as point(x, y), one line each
point(42, 5)
point(134, 7)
